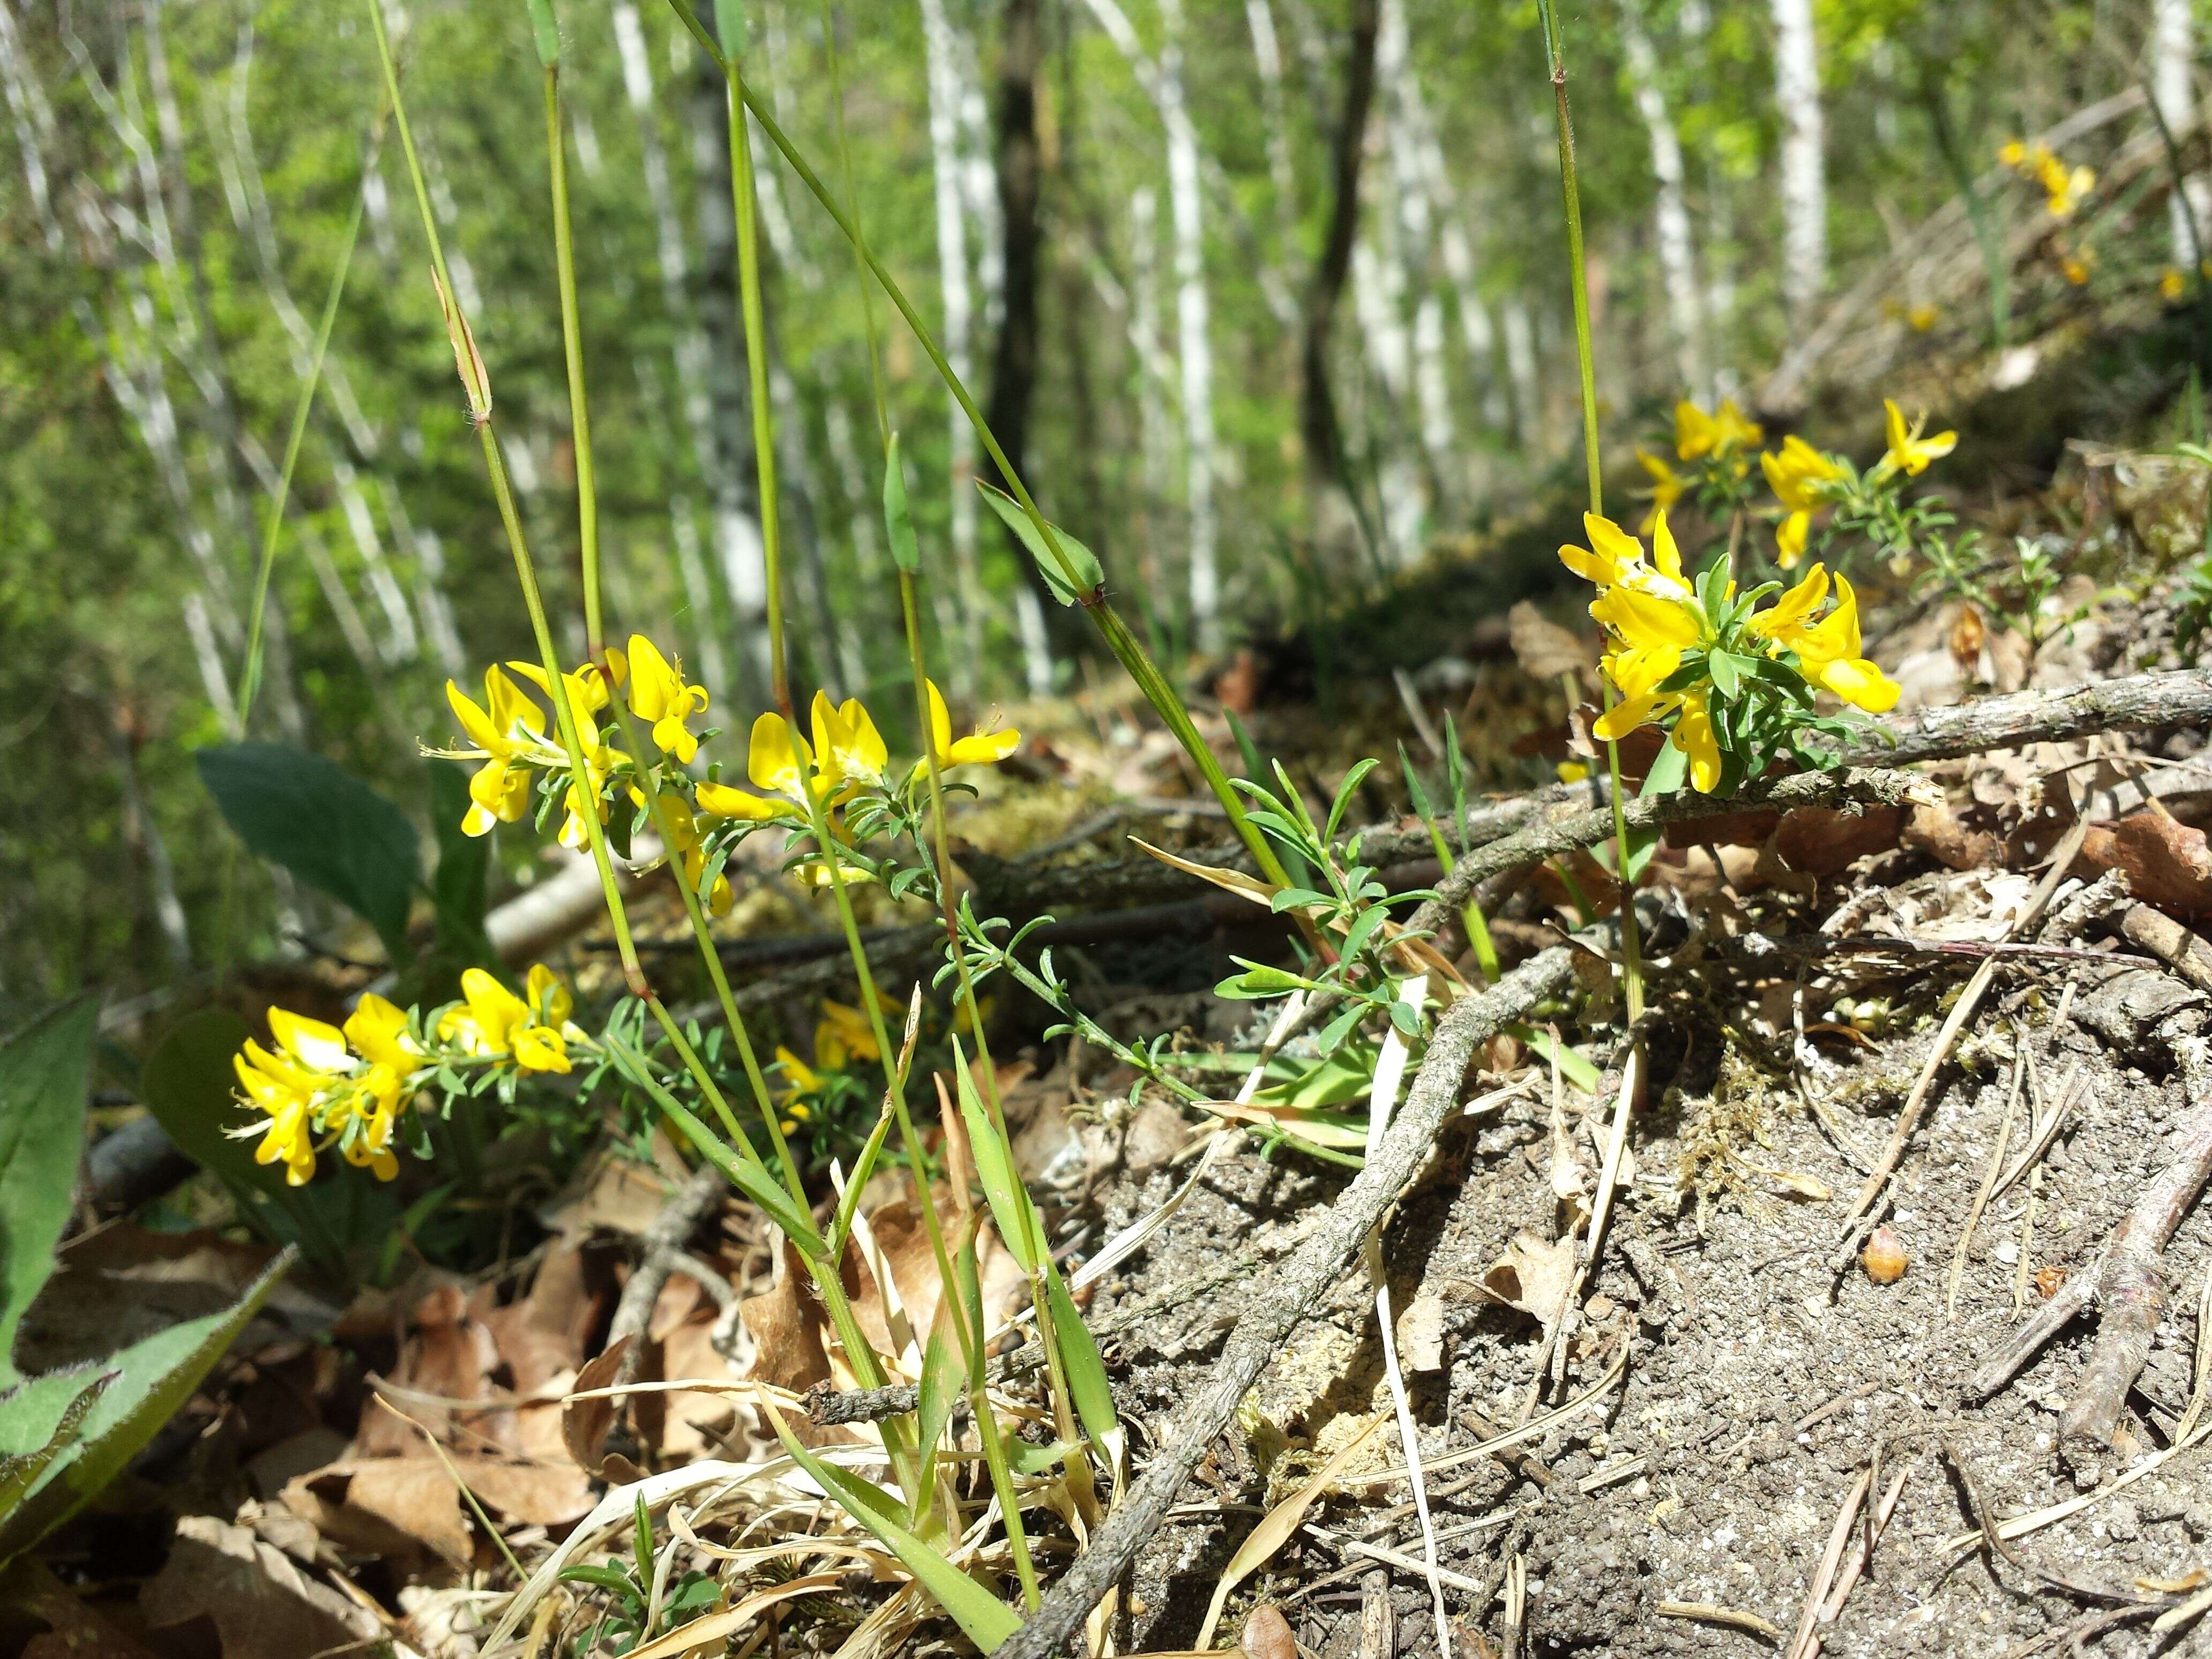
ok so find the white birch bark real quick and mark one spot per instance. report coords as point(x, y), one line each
point(1804, 183)
point(1456, 252)
point(1411, 249)
point(737, 544)
point(2173, 44)
point(957, 298)
point(1520, 337)
point(1154, 373)
point(401, 642)
point(1678, 261)
point(32, 119)
point(1193, 347)
point(1267, 57)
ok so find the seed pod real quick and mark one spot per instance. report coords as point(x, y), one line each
point(1885, 1259)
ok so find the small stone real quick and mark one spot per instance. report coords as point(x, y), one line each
point(2123, 1521)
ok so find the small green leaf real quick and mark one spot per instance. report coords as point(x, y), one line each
point(1352, 780)
point(547, 33)
point(942, 1376)
point(982, 1617)
point(45, 1073)
point(612, 1580)
point(154, 1379)
point(1029, 1460)
point(898, 521)
point(1727, 673)
point(1092, 1396)
point(1669, 769)
point(322, 824)
point(994, 1167)
point(1071, 582)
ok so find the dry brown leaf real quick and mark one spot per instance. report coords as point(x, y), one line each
point(1267, 1634)
point(406, 1508)
point(787, 1328)
point(1820, 841)
point(1533, 1276)
point(451, 1355)
point(1945, 837)
point(260, 1603)
point(531, 1494)
point(542, 1334)
point(2167, 862)
point(1546, 650)
point(586, 1423)
point(1421, 1331)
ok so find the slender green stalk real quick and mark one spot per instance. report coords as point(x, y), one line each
point(858, 230)
point(1632, 959)
point(859, 1353)
point(572, 348)
point(249, 683)
point(1124, 644)
point(745, 204)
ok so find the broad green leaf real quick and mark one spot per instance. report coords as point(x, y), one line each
point(20, 1471)
point(154, 1379)
point(982, 1617)
point(898, 522)
point(45, 1071)
point(994, 1167)
point(1079, 1356)
point(322, 824)
point(1071, 583)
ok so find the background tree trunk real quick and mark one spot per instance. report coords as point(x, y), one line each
point(1804, 182)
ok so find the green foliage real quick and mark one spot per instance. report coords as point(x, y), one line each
point(45, 1071)
point(323, 824)
point(623, 1621)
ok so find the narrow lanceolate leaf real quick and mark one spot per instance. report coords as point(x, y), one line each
point(942, 1375)
point(1087, 1372)
point(153, 1379)
point(982, 1617)
point(898, 522)
point(994, 1167)
point(748, 1175)
point(1074, 575)
point(45, 1073)
point(546, 31)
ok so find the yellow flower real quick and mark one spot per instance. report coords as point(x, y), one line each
point(1829, 651)
point(1922, 318)
point(1666, 486)
point(1694, 736)
point(508, 733)
point(492, 1020)
point(2171, 285)
point(2075, 267)
point(803, 1078)
point(843, 1036)
point(1796, 472)
point(979, 747)
point(1698, 435)
point(2012, 153)
point(1908, 451)
point(1791, 609)
point(1572, 771)
point(1615, 559)
point(1789, 539)
point(660, 694)
point(586, 689)
point(848, 750)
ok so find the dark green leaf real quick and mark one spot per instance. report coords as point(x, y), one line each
point(322, 824)
point(45, 1071)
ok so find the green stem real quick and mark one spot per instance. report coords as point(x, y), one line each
point(572, 348)
point(249, 683)
point(1156, 687)
point(1632, 959)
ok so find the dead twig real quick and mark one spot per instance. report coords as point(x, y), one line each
point(663, 1254)
point(1994, 1539)
point(2126, 1283)
point(1292, 1289)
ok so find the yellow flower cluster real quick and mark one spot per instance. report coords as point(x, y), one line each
point(1908, 451)
point(1796, 474)
point(1727, 430)
point(320, 1081)
point(533, 1030)
point(847, 756)
point(1653, 622)
point(508, 733)
point(324, 1084)
point(2062, 186)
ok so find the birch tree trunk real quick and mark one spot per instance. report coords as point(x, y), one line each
point(1804, 186)
point(1678, 261)
point(1194, 348)
point(959, 609)
point(2173, 44)
point(737, 539)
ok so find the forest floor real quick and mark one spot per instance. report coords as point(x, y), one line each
point(1754, 1436)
